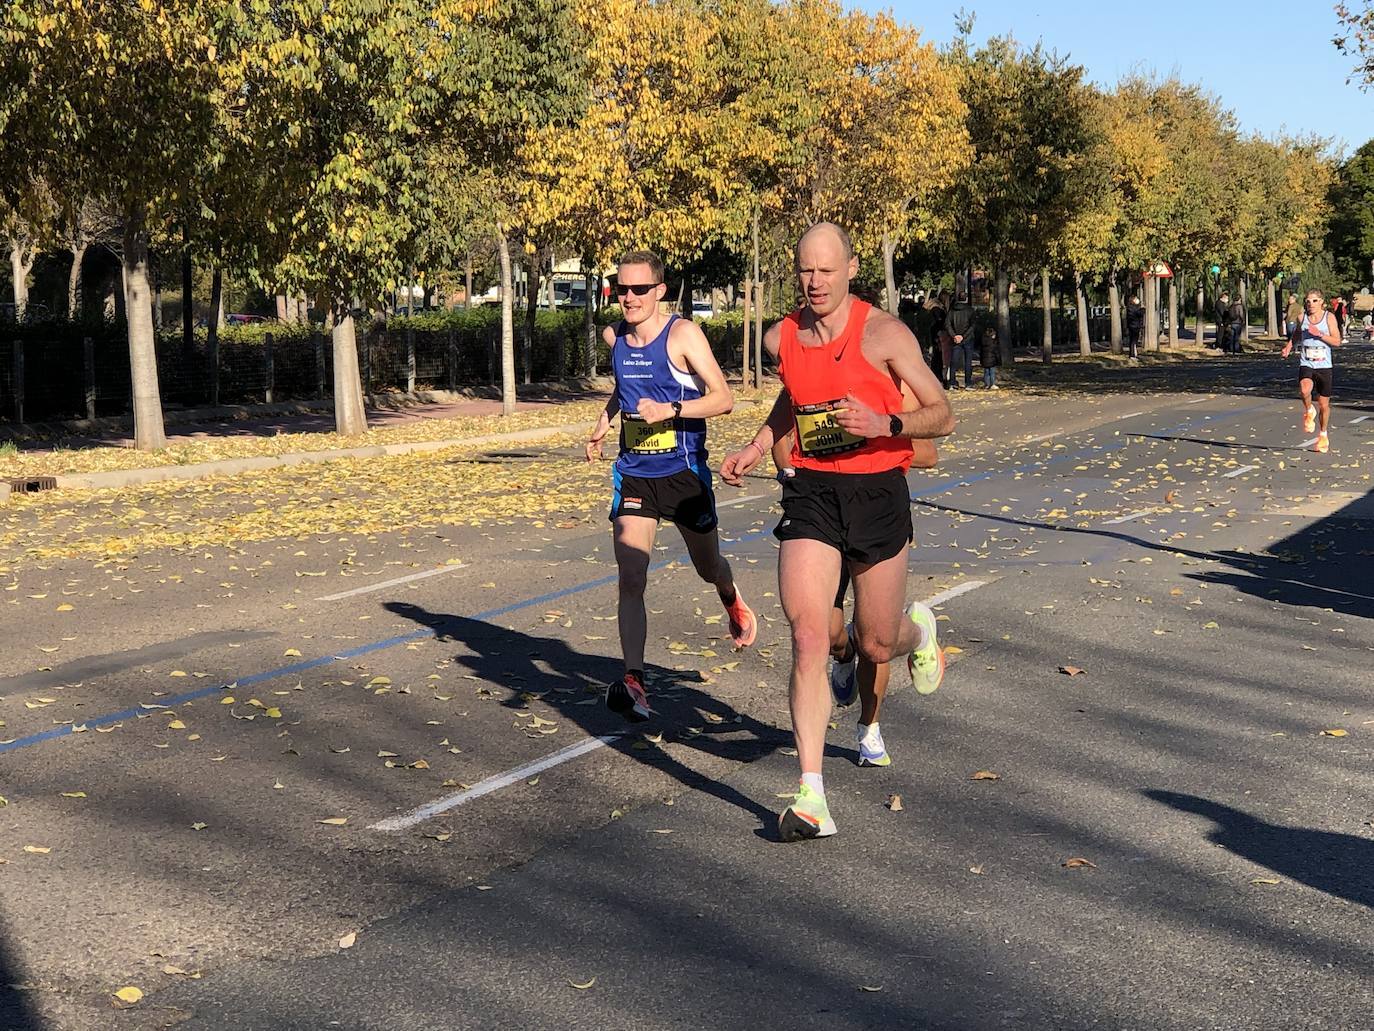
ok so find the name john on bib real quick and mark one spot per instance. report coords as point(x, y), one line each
point(819, 431)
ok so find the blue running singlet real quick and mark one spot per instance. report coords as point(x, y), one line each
point(660, 448)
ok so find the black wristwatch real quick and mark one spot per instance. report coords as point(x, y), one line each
point(677, 409)
point(894, 425)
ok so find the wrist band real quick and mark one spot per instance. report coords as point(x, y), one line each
point(757, 445)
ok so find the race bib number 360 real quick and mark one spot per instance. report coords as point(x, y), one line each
point(819, 432)
point(649, 438)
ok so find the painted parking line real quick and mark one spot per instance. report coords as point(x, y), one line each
point(740, 501)
point(1361, 418)
point(418, 815)
point(940, 487)
point(384, 584)
point(1237, 472)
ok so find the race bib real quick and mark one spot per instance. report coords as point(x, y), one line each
point(1313, 352)
point(819, 432)
point(648, 438)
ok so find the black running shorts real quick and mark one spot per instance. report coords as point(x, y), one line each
point(866, 517)
point(682, 497)
point(1321, 380)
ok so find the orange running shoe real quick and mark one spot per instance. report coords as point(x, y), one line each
point(627, 697)
point(744, 627)
point(1309, 419)
point(1322, 446)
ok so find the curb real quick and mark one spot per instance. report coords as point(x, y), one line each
point(235, 466)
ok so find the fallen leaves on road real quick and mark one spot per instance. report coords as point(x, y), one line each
point(334, 821)
point(894, 802)
point(986, 775)
point(126, 997)
point(346, 942)
point(1077, 862)
point(1336, 732)
point(581, 986)
point(1071, 671)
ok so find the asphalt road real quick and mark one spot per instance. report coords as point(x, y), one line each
point(1207, 574)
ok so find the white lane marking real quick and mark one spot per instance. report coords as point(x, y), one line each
point(740, 501)
point(954, 592)
point(1128, 518)
point(404, 821)
point(1237, 472)
point(1043, 436)
point(392, 583)
point(1308, 443)
point(1362, 418)
point(1132, 415)
point(1199, 400)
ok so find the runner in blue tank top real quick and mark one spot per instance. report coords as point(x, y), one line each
point(1315, 335)
point(667, 384)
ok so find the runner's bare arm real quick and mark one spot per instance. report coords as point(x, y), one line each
point(888, 341)
point(688, 348)
point(603, 421)
point(776, 426)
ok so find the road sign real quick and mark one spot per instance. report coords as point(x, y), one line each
point(1160, 271)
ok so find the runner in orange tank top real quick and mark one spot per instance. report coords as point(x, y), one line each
point(842, 364)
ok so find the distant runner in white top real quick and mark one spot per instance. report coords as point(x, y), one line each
point(1315, 335)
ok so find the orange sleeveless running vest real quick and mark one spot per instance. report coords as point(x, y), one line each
point(817, 378)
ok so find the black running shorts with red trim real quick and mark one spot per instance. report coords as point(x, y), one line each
point(866, 517)
point(684, 498)
point(1321, 380)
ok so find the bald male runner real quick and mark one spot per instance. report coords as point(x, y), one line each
point(842, 364)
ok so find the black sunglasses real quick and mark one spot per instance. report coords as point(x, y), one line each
point(638, 289)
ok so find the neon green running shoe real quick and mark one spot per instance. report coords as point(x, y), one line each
point(927, 663)
point(808, 817)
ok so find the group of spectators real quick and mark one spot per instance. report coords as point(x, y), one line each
point(1340, 307)
point(952, 332)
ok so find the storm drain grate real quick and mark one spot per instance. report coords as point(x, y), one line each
point(29, 484)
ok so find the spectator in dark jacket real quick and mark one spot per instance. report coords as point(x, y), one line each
point(1222, 315)
point(989, 354)
point(1135, 323)
point(959, 330)
point(1237, 319)
point(936, 308)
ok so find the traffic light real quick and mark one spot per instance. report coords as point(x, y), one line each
point(1216, 270)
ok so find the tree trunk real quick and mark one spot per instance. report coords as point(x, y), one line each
point(1271, 304)
point(1047, 327)
point(1001, 288)
point(21, 263)
point(553, 297)
point(1080, 301)
point(188, 314)
point(889, 276)
point(746, 325)
point(589, 329)
point(149, 434)
point(758, 304)
point(1197, 315)
point(216, 322)
point(1245, 309)
point(350, 415)
point(74, 282)
point(1173, 313)
point(467, 283)
point(1150, 284)
point(1114, 303)
point(507, 325)
point(531, 312)
point(684, 297)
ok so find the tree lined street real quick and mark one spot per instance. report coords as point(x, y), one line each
point(1158, 542)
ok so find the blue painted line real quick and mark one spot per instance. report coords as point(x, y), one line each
point(490, 614)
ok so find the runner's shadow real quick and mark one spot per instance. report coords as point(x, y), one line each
point(15, 1012)
point(1337, 864)
point(572, 683)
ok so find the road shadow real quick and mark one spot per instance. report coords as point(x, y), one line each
point(572, 682)
point(1306, 569)
point(1340, 865)
point(1232, 444)
point(15, 1012)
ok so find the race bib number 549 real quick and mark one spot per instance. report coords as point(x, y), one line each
point(819, 432)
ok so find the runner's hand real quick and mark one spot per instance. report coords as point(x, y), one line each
point(654, 411)
point(1287, 350)
point(735, 466)
point(857, 418)
point(594, 449)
